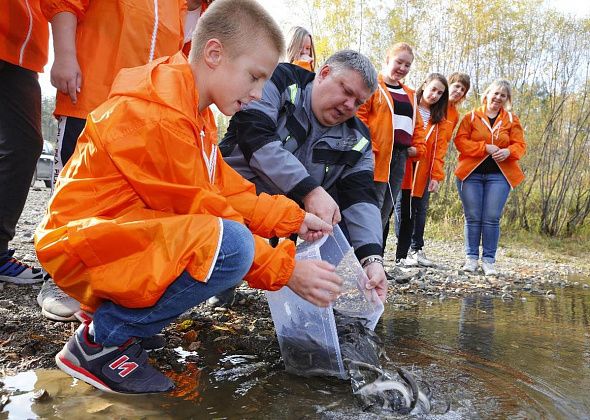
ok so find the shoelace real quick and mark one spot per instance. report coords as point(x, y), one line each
point(55, 292)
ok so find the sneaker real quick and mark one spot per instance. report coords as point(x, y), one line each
point(224, 299)
point(401, 275)
point(14, 271)
point(406, 262)
point(470, 265)
point(122, 370)
point(55, 304)
point(489, 269)
point(421, 258)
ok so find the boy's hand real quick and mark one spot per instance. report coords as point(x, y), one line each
point(316, 282)
point(320, 203)
point(377, 280)
point(66, 76)
point(313, 228)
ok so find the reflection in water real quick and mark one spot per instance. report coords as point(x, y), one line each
point(489, 358)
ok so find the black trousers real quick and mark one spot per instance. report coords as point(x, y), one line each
point(21, 143)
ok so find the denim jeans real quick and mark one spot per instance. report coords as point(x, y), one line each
point(115, 324)
point(387, 192)
point(483, 197)
point(411, 213)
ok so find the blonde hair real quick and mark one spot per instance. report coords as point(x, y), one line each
point(297, 35)
point(399, 47)
point(502, 84)
point(237, 24)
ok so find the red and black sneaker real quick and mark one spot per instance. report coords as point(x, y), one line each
point(122, 369)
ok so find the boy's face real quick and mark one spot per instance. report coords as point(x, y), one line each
point(240, 79)
point(337, 95)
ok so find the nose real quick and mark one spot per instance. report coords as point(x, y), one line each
point(350, 103)
point(256, 93)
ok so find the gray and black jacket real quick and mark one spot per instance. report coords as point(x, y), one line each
point(278, 144)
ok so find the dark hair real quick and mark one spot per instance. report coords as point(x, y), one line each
point(438, 111)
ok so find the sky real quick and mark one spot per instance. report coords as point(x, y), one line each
point(280, 10)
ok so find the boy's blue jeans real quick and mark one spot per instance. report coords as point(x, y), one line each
point(115, 324)
point(483, 197)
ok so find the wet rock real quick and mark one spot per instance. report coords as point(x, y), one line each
point(41, 395)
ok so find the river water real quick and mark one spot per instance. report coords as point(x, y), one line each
point(485, 357)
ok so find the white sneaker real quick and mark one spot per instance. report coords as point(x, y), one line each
point(470, 265)
point(407, 262)
point(489, 269)
point(55, 304)
point(420, 257)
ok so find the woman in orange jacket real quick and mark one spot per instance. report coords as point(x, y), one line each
point(490, 142)
point(396, 128)
point(459, 84)
point(423, 175)
point(301, 50)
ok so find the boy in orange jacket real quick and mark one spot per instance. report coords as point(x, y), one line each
point(147, 220)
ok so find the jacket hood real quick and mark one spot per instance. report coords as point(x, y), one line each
point(153, 83)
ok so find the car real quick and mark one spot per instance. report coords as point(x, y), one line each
point(44, 167)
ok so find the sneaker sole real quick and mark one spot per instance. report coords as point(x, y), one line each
point(59, 318)
point(16, 280)
point(81, 373)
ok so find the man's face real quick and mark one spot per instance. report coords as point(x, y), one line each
point(337, 95)
point(240, 79)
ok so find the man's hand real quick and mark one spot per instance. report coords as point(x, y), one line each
point(66, 75)
point(501, 155)
point(320, 203)
point(433, 186)
point(377, 279)
point(316, 282)
point(313, 228)
point(491, 149)
point(412, 151)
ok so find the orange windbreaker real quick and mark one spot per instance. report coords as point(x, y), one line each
point(24, 34)
point(303, 64)
point(475, 132)
point(112, 35)
point(431, 164)
point(134, 207)
point(377, 114)
point(452, 116)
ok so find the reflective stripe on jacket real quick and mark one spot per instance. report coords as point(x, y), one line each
point(24, 33)
point(138, 203)
point(475, 132)
point(116, 34)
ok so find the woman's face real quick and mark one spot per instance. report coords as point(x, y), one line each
point(496, 98)
point(433, 91)
point(457, 91)
point(306, 47)
point(398, 66)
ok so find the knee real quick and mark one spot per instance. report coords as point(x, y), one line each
point(239, 238)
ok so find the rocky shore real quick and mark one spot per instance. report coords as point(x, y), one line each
point(30, 341)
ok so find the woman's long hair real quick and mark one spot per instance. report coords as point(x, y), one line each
point(297, 35)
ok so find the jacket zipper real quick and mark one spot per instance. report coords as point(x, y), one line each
point(28, 37)
point(154, 32)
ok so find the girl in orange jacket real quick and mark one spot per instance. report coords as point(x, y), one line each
point(396, 128)
point(490, 142)
point(301, 50)
point(423, 175)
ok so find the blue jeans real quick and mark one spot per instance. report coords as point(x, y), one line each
point(483, 197)
point(411, 213)
point(115, 324)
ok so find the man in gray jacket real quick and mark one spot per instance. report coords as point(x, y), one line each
point(302, 139)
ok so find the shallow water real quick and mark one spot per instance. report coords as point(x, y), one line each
point(486, 357)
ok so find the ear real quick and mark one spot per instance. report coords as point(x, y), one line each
point(323, 72)
point(213, 53)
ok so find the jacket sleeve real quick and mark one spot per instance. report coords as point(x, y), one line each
point(363, 114)
point(255, 130)
point(444, 135)
point(464, 141)
point(517, 143)
point(272, 267)
point(419, 137)
point(50, 8)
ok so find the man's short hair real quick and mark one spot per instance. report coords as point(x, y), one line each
point(354, 60)
point(238, 24)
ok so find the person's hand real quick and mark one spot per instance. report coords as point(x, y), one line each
point(501, 155)
point(66, 75)
point(491, 149)
point(306, 58)
point(320, 203)
point(313, 228)
point(316, 282)
point(433, 186)
point(412, 151)
point(377, 279)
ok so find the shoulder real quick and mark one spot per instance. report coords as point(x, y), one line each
point(287, 74)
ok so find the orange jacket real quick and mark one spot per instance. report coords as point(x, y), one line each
point(303, 64)
point(112, 35)
point(452, 117)
point(431, 164)
point(134, 207)
point(475, 132)
point(377, 114)
point(24, 34)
